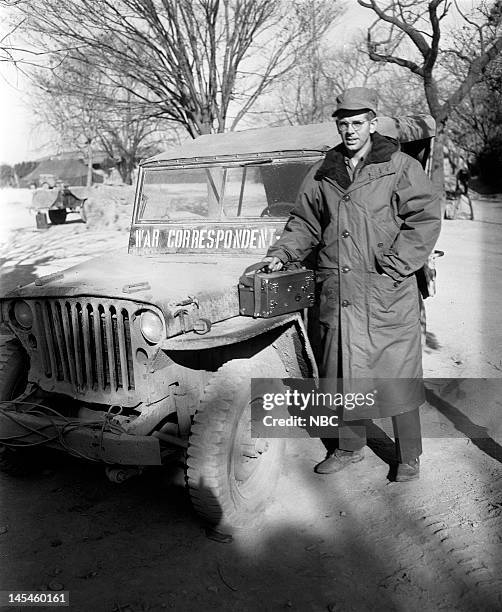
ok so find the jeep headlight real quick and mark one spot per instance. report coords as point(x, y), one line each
point(22, 314)
point(151, 326)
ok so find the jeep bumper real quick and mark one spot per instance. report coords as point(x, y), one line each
point(79, 438)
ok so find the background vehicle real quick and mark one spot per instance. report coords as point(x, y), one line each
point(47, 181)
point(57, 202)
point(144, 356)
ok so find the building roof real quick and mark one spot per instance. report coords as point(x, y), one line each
point(69, 171)
point(60, 168)
point(317, 138)
point(98, 156)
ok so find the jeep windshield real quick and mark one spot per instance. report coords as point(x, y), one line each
point(262, 188)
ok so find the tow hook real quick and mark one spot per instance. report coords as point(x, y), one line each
point(120, 474)
point(189, 301)
point(182, 311)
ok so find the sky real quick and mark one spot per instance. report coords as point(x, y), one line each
point(20, 140)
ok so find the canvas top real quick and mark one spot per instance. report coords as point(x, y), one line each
point(313, 138)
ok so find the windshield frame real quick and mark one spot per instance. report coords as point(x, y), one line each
point(308, 158)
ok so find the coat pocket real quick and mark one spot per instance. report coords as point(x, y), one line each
point(394, 304)
point(329, 291)
point(383, 236)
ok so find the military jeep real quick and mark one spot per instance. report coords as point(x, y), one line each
point(135, 358)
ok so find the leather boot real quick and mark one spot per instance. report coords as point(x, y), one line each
point(408, 471)
point(339, 460)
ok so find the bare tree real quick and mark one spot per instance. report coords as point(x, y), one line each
point(9, 51)
point(87, 111)
point(352, 67)
point(199, 63)
point(303, 93)
point(127, 135)
point(308, 92)
point(408, 33)
point(71, 108)
point(22, 55)
point(477, 120)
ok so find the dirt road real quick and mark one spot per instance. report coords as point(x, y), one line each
point(352, 541)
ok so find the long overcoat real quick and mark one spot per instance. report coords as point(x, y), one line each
point(370, 237)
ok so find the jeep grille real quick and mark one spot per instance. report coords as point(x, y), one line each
point(85, 343)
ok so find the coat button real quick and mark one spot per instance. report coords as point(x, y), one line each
point(380, 244)
point(346, 197)
point(345, 234)
point(345, 269)
point(406, 267)
point(345, 303)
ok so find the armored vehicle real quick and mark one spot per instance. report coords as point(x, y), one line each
point(134, 358)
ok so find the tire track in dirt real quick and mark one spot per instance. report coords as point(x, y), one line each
point(430, 544)
point(455, 540)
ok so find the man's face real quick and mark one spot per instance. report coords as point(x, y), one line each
point(355, 128)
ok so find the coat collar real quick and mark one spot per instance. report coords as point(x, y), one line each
point(333, 166)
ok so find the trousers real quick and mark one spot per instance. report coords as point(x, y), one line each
point(352, 435)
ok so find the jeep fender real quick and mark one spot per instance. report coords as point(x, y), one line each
point(290, 343)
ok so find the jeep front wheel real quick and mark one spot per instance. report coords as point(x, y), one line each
point(229, 474)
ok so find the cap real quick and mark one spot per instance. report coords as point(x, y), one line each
point(356, 98)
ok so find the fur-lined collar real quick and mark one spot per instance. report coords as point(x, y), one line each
point(333, 166)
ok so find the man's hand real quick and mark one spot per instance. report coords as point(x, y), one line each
point(273, 264)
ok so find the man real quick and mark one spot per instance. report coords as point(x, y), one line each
point(370, 213)
point(463, 176)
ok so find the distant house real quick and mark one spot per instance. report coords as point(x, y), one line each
point(69, 170)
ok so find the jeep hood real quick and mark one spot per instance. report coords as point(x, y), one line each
point(165, 281)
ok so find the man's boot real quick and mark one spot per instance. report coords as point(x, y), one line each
point(339, 460)
point(408, 471)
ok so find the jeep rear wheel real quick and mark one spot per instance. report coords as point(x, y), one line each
point(229, 474)
point(57, 216)
point(13, 380)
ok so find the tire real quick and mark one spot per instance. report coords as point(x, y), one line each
point(230, 476)
point(13, 380)
point(57, 216)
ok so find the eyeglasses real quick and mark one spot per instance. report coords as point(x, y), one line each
point(343, 126)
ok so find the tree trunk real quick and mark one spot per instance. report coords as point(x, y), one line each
point(206, 127)
point(89, 164)
point(437, 171)
point(125, 168)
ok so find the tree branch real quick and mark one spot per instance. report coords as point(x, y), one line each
point(473, 76)
point(412, 33)
point(390, 59)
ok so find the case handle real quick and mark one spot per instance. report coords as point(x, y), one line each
point(245, 279)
